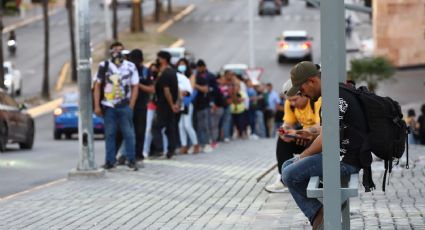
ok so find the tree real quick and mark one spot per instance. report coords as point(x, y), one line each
point(71, 24)
point(137, 16)
point(158, 6)
point(114, 20)
point(1, 50)
point(371, 70)
point(169, 11)
point(45, 93)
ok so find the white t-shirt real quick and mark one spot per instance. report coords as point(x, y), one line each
point(118, 82)
point(184, 83)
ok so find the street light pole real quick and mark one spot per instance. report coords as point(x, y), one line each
point(85, 123)
point(251, 34)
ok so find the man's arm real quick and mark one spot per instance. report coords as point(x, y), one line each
point(167, 93)
point(147, 88)
point(314, 148)
point(202, 88)
point(97, 109)
point(134, 94)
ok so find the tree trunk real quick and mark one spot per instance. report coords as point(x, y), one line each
point(169, 11)
point(45, 93)
point(114, 20)
point(157, 10)
point(136, 17)
point(1, 50)
point(71, 23)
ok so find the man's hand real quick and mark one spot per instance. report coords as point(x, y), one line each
point(282, 132)
point(98, 111)
point(305, 137)
point(131, 106)
point(176, 108)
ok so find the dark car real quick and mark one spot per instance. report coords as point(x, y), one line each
point(270, 7)
point(66, 118)
point(16, 126)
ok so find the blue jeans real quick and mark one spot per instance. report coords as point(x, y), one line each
point(122, 116)
point(202, 126)
point(226, 120)
point(297, 175)
point(260, 122)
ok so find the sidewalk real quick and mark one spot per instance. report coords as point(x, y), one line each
point(216, 190)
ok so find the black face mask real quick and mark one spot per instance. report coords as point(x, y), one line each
point(117, 58)
point(157, 62)
point(154, 74)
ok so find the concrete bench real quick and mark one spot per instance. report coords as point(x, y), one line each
point(349, 188)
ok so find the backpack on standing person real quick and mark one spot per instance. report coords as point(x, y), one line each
point(387, 131)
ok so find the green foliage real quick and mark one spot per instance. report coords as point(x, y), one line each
point(371, 70)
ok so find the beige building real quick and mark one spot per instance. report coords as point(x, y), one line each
point(399, 31)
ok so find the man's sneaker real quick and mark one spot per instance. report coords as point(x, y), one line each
point(276, 187)
point(214, 144)
point(156, 154)
point(140, 157)
point(208, 148)
point(133, 165)
point(253, 137)
point(226, 140)
point(107, 166)
point(121, 160)
point(170, 155)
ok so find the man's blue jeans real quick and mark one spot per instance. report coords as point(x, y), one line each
point(296, 175)
point(123, 117)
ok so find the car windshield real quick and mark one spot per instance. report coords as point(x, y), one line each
point(70, 99)
point(295, 39)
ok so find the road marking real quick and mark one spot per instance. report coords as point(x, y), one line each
point(176, 18)
point(27, 21)
point(62, 77)
point(44, 108)
point(178, 43)
point(33, 189)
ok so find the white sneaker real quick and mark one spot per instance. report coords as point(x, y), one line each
point(276, 187)
point(226, 140)
point(253, 137)
point(207, 149)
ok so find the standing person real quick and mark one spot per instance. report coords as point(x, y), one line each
point(259, 112)
point(226, 86)
point(272, 98)
point(252, 116)
point(167, 102)
point(185, 124)
point(412, 124)
point(202, 106)
point(146, 88)
point(296, 172)
point(299, 113)
point(421, 125)
point(117, 79)
point(238, 106)
point(151, 107)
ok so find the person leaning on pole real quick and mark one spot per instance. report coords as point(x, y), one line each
point(300, 115)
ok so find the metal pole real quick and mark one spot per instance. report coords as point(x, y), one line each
point(251, 34)
point(85, 123)
point(333, 61)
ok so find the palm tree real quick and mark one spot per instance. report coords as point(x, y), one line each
point(371, 70)
point(114, 20)
point(71, 24)
point(169, 11)
point(45, 93)
point(137, 16)
point(158, 6)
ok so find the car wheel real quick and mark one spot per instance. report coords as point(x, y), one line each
point(68, 136)
point(3, 136)
point(260, 12)
point(19, 91)
point(278, 12)
point(30, 138)
point(57, 135)
point(280, 59)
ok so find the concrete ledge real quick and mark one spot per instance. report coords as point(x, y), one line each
point(75, 174)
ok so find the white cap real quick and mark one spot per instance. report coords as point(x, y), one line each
point(286, 86)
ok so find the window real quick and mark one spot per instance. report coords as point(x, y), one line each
point(295, 39)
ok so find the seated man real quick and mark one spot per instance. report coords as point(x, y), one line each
point(299, 113)
point(296, 172)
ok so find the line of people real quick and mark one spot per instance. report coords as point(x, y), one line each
point(168, 106)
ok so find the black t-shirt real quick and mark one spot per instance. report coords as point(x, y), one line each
point(202, 100)
point(143, 97)
point(352, 127)
point(168, 78)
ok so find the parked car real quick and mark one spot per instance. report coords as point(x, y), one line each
point(239, 69)
point(269, 7)
point(66, 118)
point(12, 79)
point(180, 52)
point(294, 44)
point(16, 126)
point(120, 3)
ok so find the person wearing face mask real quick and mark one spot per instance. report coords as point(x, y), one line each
point(185, 124)
point(115, 94)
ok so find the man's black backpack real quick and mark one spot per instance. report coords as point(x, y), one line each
point(102, 75)
point(387, 131)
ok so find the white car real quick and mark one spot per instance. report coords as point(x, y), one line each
point(239, 69)
point(367, 47)
point(12, 79)
point(178, 53)
point(294, 44)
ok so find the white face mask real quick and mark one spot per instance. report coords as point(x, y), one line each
point(181, 68)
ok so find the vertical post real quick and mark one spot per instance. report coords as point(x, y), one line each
point(333, 62)
point(85, 123)
point(2, 86)
point(107, 15)
point(251, 34)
